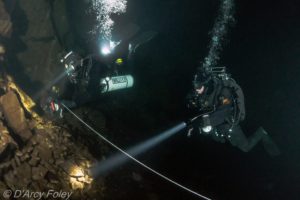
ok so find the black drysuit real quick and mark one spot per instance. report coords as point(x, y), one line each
point(226, 99)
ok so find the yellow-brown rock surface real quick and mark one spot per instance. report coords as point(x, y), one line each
point(48, 159)
point(14, 115)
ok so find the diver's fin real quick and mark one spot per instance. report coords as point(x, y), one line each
point(127, 32)
point(271, 147)
point(140, 40)
point(269, 144)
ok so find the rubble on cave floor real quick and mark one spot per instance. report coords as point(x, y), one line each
point(37, 155)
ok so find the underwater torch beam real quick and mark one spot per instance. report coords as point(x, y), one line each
point(49, 85)
point(141, 148)
point(119, 159)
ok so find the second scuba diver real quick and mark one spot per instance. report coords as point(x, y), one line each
point(221, 98)
point(91, 76)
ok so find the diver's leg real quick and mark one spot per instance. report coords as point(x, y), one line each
point(269, 145)
point(237, 138)
point(139, 41)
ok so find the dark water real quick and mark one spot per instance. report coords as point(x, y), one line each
point(263, 56)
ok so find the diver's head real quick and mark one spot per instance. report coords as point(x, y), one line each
point(201, 82)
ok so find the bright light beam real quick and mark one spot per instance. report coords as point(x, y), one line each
point(49, 85)
point(180, 127)
point(105, 50)
point(119, 159)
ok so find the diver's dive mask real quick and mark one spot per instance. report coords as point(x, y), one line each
point(201, 84)
point(202, 79)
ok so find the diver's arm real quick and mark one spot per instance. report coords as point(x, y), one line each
point(191, 100)
point(239, 98)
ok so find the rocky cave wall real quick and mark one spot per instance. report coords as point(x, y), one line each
point(36, 154)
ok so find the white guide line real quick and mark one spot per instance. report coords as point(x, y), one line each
point(134, 159)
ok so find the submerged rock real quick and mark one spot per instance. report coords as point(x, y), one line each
point(48, 158)
point(6, 140)
point(40, 60)
point(14, 115)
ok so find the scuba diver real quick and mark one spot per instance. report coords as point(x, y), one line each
point(221, 99)
point(96, 60)
point(94, 75)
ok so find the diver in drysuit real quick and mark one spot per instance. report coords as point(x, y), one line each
point(87, 79)
point(91, 76)
point(221, 98)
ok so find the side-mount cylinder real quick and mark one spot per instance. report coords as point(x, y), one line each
point(110, 84)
